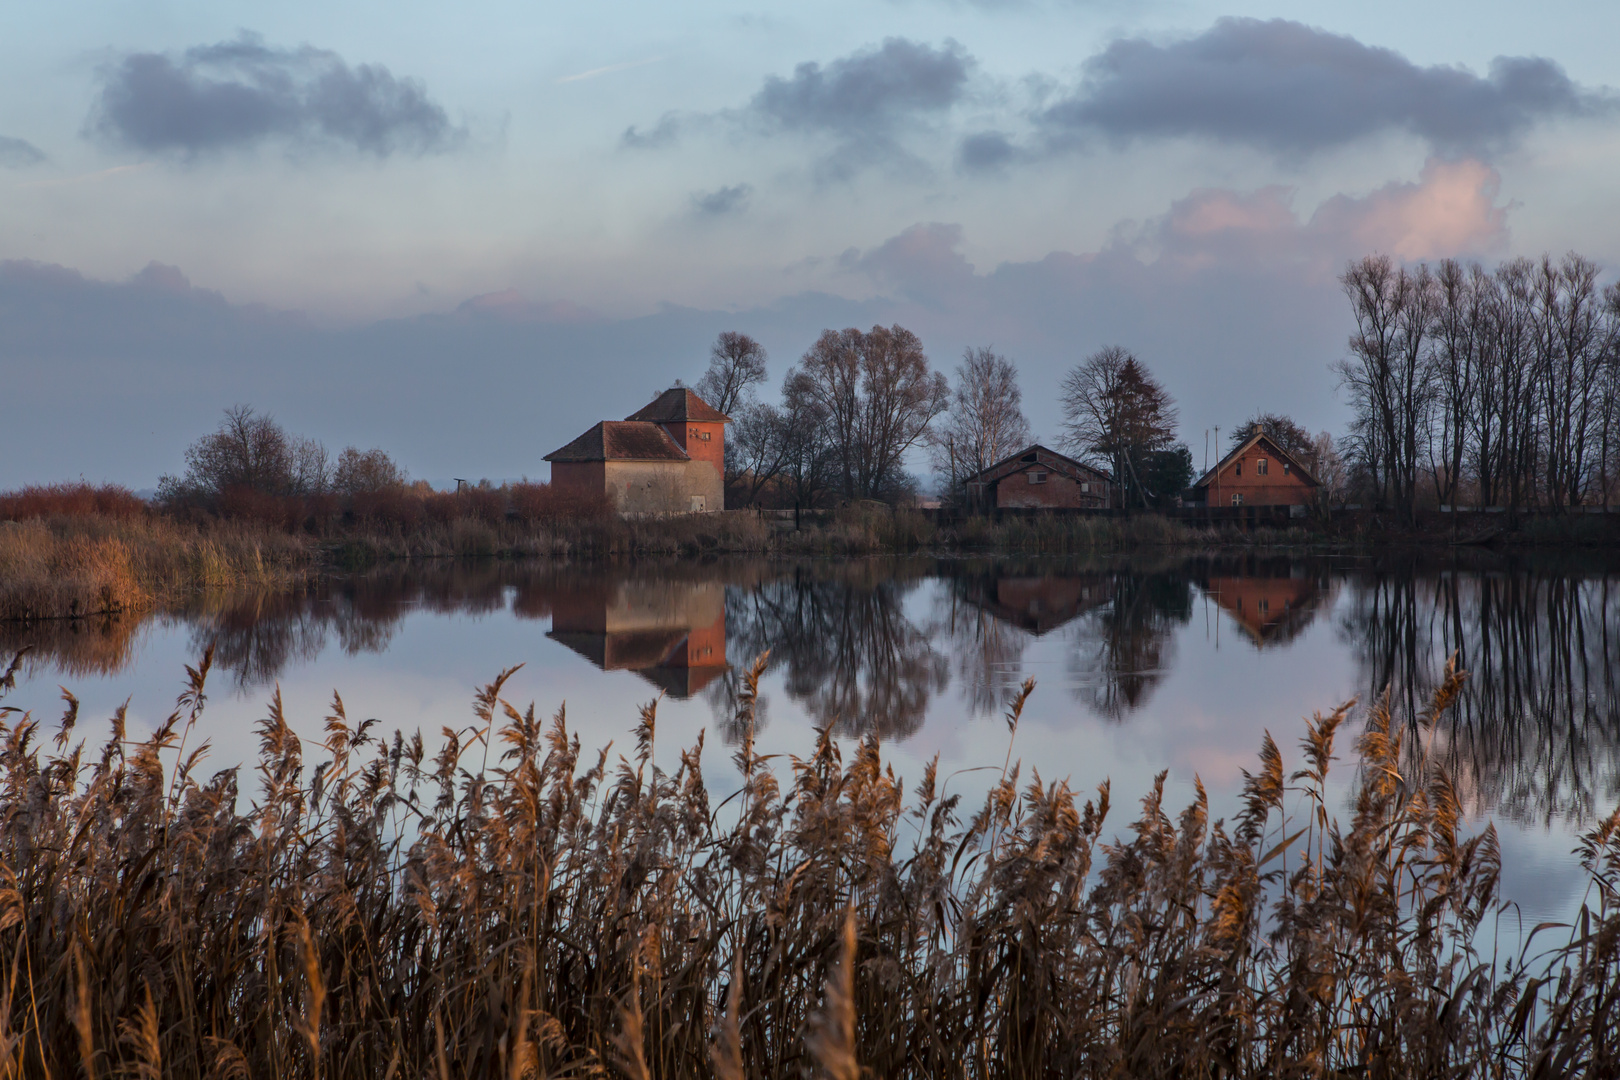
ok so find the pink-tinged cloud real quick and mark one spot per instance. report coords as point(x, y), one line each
point(1451, 210)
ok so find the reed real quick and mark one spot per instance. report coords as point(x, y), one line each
point(78, 566)
point(511, 906)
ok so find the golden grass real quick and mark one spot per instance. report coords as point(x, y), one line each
point(91, 565)
point(511, 907)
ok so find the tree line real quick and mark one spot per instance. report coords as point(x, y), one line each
point(1483, 387)
point(857, 404)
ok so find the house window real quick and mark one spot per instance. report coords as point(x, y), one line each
point(1036, 477)
point(1262, 467)
point(1237, 500)
point(1084, 487)
point(1265, 606)
point(1240, 468)
point(1287, 468)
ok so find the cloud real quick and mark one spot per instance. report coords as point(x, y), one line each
point(985, 151)
point(721, 201)
point(1294, 90)
point(241, 93)
point(864, 102)
point(19, 153)
point(867, 93)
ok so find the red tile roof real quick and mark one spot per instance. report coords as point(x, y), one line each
point(677, 405)
point(621, 440)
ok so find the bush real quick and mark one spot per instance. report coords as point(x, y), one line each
point(70, 500)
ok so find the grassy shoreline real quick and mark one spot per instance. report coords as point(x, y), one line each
point(71, 566)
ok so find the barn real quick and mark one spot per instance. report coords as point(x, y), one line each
point(1036, 478)
point(666, 458)
point(1257, 473)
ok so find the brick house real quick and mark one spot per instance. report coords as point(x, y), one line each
point(666, 458)
point(1257, 473)
point(1040, 479)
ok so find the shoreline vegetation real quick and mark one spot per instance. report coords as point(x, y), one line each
point(75, 551)
point(514, 906)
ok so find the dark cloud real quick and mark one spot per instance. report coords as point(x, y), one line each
point(19, 153)
point(1293, 89)
point(985, 152)
point(725, 200)
point(243, 92)
point(866, 93)
point(863, 102)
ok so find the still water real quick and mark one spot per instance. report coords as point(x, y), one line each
point(1163, 663)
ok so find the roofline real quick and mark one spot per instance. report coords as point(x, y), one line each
point(1209, 475)
point(659, 424)
point(1032, 447)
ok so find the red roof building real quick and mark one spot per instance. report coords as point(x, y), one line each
point(665, 458)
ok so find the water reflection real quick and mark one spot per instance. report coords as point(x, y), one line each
point(875, 645)
point(1535, 735)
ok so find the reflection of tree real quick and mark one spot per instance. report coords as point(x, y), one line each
point(1536, 732)
point(988, 650)
point(1122, 651)
point(847, 651)
point(97, 646)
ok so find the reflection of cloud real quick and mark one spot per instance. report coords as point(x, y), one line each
point(1294, 90)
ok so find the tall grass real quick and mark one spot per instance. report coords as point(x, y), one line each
point(79, 566)
point(510, 906)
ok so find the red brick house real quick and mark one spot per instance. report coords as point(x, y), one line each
point(1257, 473)
point(1040, 479)
point(666, 458)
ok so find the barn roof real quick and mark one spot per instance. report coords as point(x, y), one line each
point(1271, 447)
point(1038, 454)
point(678, 405)
point(621, 440)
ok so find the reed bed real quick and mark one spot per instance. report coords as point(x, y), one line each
point(97, 565)
point(511, 906)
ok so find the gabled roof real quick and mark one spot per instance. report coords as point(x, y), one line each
point(1038, 454)
point(621, 440)
point(1271, 447)
point(678, 405)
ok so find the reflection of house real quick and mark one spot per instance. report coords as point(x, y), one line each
point(1038, 604)
point(672, 633)
point(1257, 473)
point(1038, 478)
point(1272, 610)
point(666, 458)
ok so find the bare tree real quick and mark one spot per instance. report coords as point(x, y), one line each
point(807, 459)
point(736, 366)
point(1386, 372)
point(1116, 412)
point(878, 397)
point(756, 451)
point(249, 451)
point(366, 471)
point(986, 420)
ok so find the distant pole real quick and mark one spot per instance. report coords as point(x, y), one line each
point(1206, 449)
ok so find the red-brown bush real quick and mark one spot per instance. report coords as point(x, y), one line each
point(545, 504)
point(70, 500)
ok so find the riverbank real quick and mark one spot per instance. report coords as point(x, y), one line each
point(98, 563)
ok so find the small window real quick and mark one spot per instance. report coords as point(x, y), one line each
point(1084, 487)
point(1036, 477)
point(1237, 500)
point(1264, 605)
point(1287, 468)
point(1262, 467)
point(1240, 468)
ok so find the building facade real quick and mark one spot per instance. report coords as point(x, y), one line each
point(666, 458)
point(1257, 473)
point(1040, 479)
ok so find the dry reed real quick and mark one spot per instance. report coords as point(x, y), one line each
point(509, 906)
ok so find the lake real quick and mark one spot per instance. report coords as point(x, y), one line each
point(1160, 662)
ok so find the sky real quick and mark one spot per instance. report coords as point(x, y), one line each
point(466, 232)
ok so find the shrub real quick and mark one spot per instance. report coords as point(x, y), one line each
point(70, 500)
